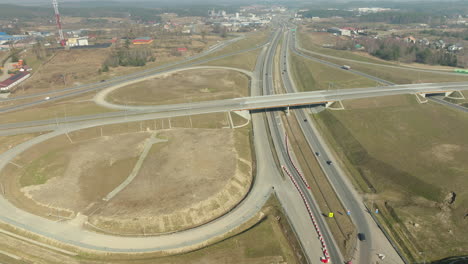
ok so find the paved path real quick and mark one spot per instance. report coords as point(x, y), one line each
point(148, 145)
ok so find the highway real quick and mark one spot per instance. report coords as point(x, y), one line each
point(406, 68)
point(296, 51)
point(349, 201)
point(286, 191)
point(268, 180)
point(267, 177)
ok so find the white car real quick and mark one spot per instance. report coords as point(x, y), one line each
point(47, 98)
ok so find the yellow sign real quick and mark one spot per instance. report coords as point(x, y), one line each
point(331, 214)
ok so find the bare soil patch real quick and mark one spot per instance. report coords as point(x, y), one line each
point(194, 177)
point(65, 69)
point(70, 177)
point(185, 86)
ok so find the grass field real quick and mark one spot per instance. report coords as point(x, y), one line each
point(251, 40)
point(412, 155)
point(269, 241)
point(183, 87)
point(244, 61)
point(82, 105)
point(310, 75)
point(313, 41)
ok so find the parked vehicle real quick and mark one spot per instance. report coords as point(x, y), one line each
point(346, 67)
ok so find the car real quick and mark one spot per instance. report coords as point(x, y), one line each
point(329, 162)
point(103, 80)
point(305, 120)
point(361, 237)
point(317, 154)
point(47, 98)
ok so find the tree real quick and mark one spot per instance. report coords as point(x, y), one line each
point(127, 43)
point(203, 35)
point(223, 33)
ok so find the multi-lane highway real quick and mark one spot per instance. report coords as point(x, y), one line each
point(268, 178)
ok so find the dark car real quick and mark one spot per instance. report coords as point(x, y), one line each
point(317, 154)
point(305, 120)
point(361, 236)
point(329, 162)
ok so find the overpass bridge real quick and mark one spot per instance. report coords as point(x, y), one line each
point(302, 98)
point(239, 104)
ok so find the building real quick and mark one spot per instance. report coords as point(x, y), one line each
point(142, 41)
point(5, 38)
point(83, 42)
point(339, 31)
point(9, 83)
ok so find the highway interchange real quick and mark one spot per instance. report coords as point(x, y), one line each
point(269, 175)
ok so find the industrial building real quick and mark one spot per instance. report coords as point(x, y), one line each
point(9, 83)
point(77, 42)
point(5, 38)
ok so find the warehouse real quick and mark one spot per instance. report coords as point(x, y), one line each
point(9, 83)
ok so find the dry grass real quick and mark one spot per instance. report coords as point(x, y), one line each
point(82, 105)
point(7, 142)
point(182, 87)
point(310, 75)
point(244, 61)
point(412, 155)
point(65, 69)
point(205, 180)
point(268, 241)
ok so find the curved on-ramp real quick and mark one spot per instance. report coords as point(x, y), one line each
point(76, 235)
point(100, 98)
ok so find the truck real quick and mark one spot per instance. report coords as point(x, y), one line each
point(346, 67)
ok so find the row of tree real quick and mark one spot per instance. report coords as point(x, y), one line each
point(450, 34)
point(399, 17)
point(128, 57)
point(397, 50)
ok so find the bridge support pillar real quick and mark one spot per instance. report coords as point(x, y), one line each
point(457, 95)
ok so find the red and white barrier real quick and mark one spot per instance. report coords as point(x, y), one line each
point(292, 162)
point(326, 256)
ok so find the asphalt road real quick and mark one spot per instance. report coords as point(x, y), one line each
point(444, 72)
point(267, 177)
point(440, 100)
point(267, 174)
point(67, 233)
point(350, 202)
point(254, 102)
point(278, 136)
